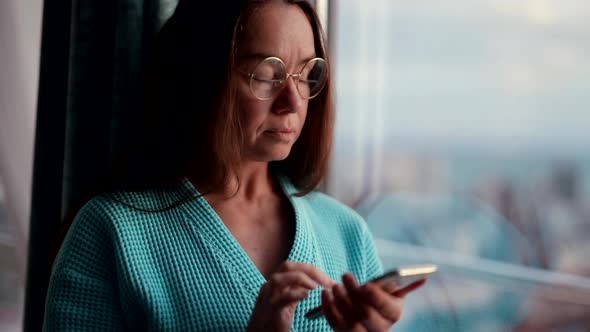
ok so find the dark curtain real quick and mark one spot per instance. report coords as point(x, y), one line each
point(93, 56)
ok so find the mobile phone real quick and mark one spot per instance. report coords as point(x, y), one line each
point(397, 278)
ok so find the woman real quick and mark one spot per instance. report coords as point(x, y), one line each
point(226, 233)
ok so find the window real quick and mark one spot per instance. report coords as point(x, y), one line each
point(20, 36)
point(10, 279)
point(462, 136)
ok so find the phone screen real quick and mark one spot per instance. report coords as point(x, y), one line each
point(404, 276)
point(390, 281)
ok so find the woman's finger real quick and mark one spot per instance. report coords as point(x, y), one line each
point(293, 278)
point(281, 297)
point(375, 321)
point(345, 306)
point(353, 289)
point(330, 311)
point(387, 305)
point(404, 291)
point(313, 272)
point(365, 313)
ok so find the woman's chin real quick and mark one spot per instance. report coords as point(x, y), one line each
point(269, 152)
point(275, 154)
point(278, 156)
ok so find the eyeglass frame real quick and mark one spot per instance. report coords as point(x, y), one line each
point(288, 75)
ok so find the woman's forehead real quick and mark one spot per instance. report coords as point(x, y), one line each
point(277, 29)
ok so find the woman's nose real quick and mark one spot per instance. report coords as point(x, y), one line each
point(289, 99)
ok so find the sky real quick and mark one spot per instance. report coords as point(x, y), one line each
point(492, 72)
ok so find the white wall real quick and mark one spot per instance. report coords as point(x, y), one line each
point(20, 41)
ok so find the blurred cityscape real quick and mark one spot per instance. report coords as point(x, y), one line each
point(528, 209)
point(546, 199)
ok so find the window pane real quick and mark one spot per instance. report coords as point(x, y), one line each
point(463, 127)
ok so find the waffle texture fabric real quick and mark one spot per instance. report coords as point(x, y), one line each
point(121, 269)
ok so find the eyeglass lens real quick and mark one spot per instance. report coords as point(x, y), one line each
point(270, 75)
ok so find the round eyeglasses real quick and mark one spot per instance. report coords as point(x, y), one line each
point(270, 76)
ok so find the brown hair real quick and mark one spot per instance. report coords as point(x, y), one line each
point(191, 128)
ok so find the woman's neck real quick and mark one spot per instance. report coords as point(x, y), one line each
point(255, 182)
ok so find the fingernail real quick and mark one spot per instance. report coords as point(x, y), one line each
point(331, 283)
point(348, 277)
point(339, 290)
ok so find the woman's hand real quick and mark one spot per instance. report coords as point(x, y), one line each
point(350, 307)
point(279, 296)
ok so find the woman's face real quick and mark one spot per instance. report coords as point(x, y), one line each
point(272, 126)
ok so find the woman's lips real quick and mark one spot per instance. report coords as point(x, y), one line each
point(281, 134)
